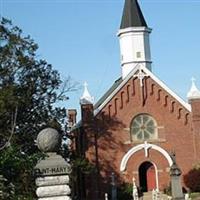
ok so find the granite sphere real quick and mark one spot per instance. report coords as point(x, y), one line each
point(48, 140)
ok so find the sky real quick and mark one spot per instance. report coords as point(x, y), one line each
point(78, 37)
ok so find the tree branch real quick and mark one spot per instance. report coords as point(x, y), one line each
point(68, 86)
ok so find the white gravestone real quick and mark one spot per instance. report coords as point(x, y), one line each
point(135, 191)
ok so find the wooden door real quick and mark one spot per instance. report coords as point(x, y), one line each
point(151, 178)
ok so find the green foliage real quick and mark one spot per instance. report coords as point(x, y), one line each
point(84, 165)
point(6, 189)
point(29, 90)
point(124, 191)
point(17, 168)
point(168, 190)
point(27, 86)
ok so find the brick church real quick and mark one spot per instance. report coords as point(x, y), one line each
point(136, 125)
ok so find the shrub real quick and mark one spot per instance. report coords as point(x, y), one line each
point(192, 180)
point(168, 190)
point(124, 191)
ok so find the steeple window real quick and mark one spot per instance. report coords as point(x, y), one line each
point(138, 54)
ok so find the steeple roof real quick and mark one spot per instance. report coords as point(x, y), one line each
point(132, 15)
point(86, 97)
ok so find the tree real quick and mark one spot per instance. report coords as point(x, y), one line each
point(29, 91)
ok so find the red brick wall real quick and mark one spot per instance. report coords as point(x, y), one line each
point(174, 131)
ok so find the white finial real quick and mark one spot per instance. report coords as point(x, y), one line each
point(86, 97)
point(194, 93)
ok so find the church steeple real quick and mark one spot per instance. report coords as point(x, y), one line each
point(132, 15)
point(134, 38)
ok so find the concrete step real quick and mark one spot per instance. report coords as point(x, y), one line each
point(148, 196)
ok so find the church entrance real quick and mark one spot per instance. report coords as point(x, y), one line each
point(147, 176)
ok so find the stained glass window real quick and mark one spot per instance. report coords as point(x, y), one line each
point(143, 127)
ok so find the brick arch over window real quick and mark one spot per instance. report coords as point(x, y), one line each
point(144, 146)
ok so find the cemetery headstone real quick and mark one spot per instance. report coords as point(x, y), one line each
point(114, 187)
point(106, 196)
point(135, 190)
point(175, 174)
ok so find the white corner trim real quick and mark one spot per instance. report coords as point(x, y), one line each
point(157, 80)
point(139, 147)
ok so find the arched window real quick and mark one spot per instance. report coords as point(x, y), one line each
point(143, 127)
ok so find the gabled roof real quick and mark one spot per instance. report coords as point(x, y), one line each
point(109, 91)
point(132, 15)
point(118, 85)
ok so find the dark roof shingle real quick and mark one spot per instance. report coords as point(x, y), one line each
point(132, 15)
point(107, 94)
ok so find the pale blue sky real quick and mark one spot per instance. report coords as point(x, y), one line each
point(78, 37)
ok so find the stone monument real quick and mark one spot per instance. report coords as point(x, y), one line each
point(52, 173)
point(175, 174)
point(135, 190)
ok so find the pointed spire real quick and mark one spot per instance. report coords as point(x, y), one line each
point(132, 15)
point(194, 92)
point(86, 97)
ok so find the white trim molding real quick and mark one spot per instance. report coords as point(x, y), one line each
point(156, 175)
point(144, 146)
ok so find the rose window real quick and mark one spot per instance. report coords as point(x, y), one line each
point(143, 127)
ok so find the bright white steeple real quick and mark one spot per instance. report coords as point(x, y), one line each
point(134, 38)
point(86, 97)
point(194, 92)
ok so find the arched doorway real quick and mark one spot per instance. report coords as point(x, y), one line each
point(144, 146)
point(147, 176)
